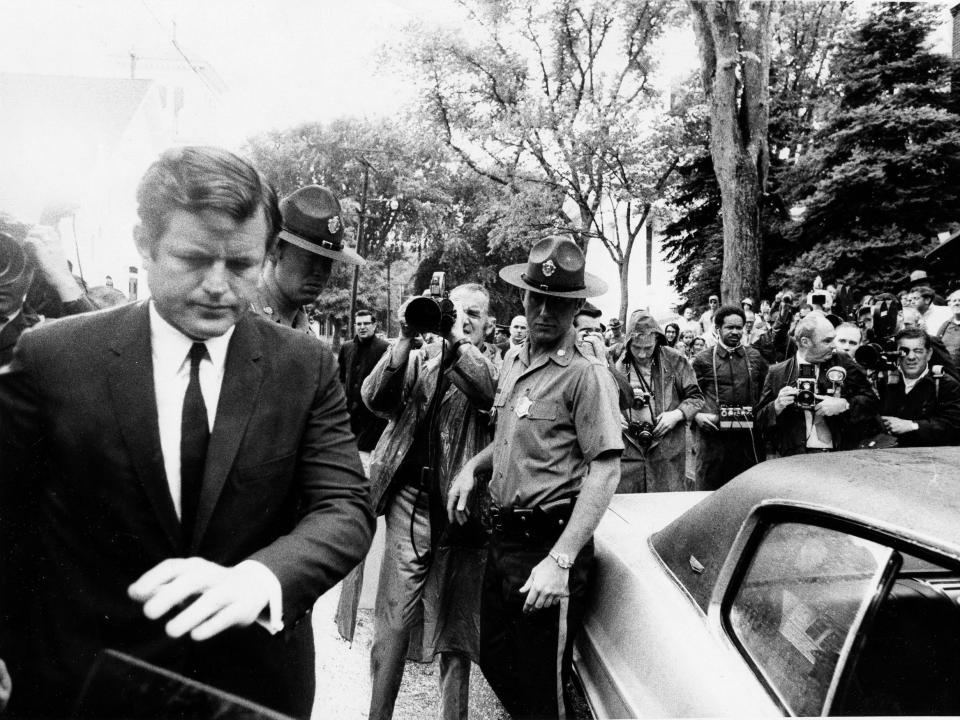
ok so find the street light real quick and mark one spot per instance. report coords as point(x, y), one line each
point(391, 240)
point(392, 205)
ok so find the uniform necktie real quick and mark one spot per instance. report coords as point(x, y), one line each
point(194, 437)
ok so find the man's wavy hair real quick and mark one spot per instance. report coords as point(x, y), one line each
point(197, 178)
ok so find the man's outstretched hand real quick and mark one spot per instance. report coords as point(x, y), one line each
point(211, 597)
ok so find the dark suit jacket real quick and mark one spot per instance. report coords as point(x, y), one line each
point(936, 411)
point(788, 431)
point(88, 510)
point(357, 360)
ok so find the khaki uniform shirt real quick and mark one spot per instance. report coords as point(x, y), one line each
point(553, 417)
point(267, 306)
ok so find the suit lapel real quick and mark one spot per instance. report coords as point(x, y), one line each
point(130, 376)
point(792, 372)
point(238, 397)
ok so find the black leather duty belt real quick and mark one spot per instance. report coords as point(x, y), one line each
point(544, 522)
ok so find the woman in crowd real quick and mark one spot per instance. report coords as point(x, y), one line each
point(672, 333)
point(699, 343)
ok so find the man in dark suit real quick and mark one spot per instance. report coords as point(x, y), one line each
point(921, 403)
point(179, 481)
point(842, 411)
point(357, 359)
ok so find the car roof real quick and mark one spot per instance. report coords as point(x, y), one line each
point(912, 493)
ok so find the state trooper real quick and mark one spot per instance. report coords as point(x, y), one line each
point(555, 462)
point(295, 272)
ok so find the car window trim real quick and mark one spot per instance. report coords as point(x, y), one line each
point(743, 549)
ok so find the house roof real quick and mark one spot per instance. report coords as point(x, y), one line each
point(99, 107)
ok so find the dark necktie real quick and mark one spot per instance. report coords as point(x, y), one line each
point(194, 437)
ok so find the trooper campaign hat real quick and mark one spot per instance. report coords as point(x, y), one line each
point(312, 221)
point(555, 267)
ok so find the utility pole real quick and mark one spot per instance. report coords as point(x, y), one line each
point(389, 292)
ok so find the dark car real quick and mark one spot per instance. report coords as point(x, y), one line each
point(820, 584)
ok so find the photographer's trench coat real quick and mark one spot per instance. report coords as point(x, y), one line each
point(451, 595)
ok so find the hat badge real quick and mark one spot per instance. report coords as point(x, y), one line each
point(548, 268)
point(333, 224)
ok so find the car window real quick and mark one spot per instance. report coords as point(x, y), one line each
point(907, 662)
point(801, 600)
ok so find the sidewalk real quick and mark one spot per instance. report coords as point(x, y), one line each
point(343, 682)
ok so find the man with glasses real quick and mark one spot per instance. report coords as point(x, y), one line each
point(357, 359)
point(921, 406)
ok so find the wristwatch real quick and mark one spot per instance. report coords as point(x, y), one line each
point(562, 559)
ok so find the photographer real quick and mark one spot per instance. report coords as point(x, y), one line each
point(776, 343)
point(818, 400)
point(886, 319)
point(436, 399)
point(32, 262)
point(731, 375)
point(658, 396)
point(920, 404)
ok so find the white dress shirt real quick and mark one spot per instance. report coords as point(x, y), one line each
point(819, 436)
point(171, 375)
point(908, 385)
point(170, 350)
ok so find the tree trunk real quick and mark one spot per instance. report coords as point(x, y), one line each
point(624, 288)
point(734, 42)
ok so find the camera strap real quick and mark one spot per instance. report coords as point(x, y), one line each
point(644, 385)
point(733, 379)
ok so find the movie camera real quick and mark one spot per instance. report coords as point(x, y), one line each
point(432, 312)
point(736, 417)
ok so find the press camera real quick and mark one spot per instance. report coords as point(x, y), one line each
point(641, 430)
point(806, 397)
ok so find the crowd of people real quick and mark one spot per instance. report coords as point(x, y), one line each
point(182, 477)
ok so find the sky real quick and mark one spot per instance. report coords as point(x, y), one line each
point(281, 61)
